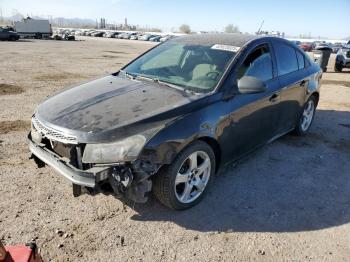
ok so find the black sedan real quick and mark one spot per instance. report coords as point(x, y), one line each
point(6, 34)
point(171, 117)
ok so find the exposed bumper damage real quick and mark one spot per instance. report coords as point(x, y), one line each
point(130, 180)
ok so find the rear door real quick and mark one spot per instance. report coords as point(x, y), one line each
point(293, 78)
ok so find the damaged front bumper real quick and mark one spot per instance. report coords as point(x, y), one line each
point(131, 181)
point(87, 178)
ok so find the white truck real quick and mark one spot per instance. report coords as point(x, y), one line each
point(33, 28)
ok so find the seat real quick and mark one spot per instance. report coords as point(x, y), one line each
point(202, 70)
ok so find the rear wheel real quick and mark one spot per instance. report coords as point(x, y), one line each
point(306, 117)
point(183, 183)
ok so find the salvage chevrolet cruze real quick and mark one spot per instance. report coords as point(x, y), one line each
point(166, 121)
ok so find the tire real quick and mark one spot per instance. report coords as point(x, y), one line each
point(306, 115)
point(38, 36)
point(76, 190)
point(338, 67)
point(168, 185)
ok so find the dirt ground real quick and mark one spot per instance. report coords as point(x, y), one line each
point(289, 201)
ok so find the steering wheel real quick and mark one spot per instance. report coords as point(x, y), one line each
point(213, 74)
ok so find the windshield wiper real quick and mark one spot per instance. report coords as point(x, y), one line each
point(149, 78)
point(158, 81)
point(161, 82)
point(128, 75)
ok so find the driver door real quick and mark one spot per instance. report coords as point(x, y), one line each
point(253, 117)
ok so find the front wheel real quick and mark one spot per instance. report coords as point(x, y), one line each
point(183, 183)
point(338, 67)
point(306, 117)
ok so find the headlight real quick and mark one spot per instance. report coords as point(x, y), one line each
point(124, 150)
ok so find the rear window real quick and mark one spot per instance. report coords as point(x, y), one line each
point(286, 58)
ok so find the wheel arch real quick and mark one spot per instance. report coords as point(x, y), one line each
point(317, 97)
point(165, 152)
point(213, 143)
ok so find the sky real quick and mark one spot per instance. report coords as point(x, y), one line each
point(294, 17)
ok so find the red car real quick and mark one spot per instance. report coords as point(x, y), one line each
point(307, 47)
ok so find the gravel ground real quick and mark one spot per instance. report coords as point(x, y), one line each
point(289, 201)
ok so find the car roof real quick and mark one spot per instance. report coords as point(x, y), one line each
point(234, 39)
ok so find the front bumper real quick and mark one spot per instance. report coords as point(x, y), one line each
point(87, 178)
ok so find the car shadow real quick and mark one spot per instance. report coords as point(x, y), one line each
point(294, 184)
point(23, 40)
point(346, 71)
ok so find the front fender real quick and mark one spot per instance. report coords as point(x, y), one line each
point(167, 143)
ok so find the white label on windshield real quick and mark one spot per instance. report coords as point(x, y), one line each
point(230, 48)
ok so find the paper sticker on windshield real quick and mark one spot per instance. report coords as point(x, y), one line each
point(230, 48)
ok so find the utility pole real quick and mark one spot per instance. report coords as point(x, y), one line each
point(262, 23)
point(1, 18)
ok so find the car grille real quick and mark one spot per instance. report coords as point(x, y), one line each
point(53, 134)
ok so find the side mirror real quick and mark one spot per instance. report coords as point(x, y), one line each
point(251, 85)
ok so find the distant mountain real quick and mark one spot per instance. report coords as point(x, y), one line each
point(57, 21)
point(347, 38)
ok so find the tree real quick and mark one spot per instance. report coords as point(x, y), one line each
point(231, 29)
point(185, 29)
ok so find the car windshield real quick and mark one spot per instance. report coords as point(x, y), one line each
point(193, 67)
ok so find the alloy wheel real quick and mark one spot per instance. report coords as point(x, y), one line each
point(308, 115)
point(192, 177)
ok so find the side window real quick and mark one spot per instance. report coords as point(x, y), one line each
point(257, 64)
point(301, 60)
point(286, 58)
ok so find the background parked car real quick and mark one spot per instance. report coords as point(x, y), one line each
point(336, 47)
point(91, 32)
point(296, 42)
point(97, 34)
point(306, 46)
point(342, 59)
point(322, 46)
point(155, 38)
point(6, 34)
point(124, 35)
point(166, 38)
point(147, 37)
point(111, 34)
point(134, 37)
point(128, 35)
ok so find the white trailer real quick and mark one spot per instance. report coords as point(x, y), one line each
point(33, 28)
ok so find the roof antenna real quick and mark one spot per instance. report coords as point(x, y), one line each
point(262, 23)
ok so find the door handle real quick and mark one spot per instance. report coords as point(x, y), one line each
point(274, 97)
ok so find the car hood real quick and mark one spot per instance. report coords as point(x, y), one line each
point(111, 108)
